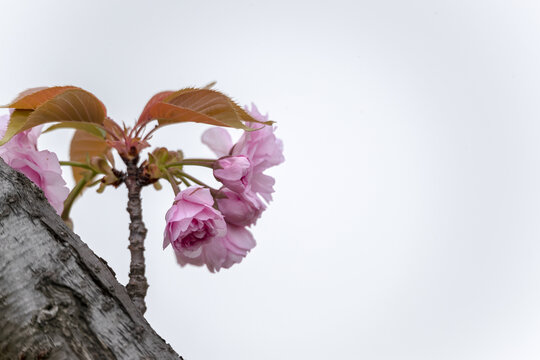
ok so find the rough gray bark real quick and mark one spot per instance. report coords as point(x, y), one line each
point(57, 299)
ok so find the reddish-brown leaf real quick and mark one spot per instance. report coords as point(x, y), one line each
point(145, 115)
point(71, 105)
point(200, 105)
point(32, 98)
point(172, 114)
point(208, 102)
point(83, 147)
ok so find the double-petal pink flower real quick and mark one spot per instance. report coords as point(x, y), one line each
point(240, 209)
point(42, 167)
point(199, 235)
point(202, 235)
point(263, 150)
point(192, 223)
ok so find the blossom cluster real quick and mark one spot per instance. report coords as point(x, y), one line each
point(42, 167)
point(208, 227)
point(204, 226)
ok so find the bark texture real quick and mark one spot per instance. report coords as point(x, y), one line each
point(57, 299)
point(137, 284)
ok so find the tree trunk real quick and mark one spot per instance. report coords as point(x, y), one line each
point(58, 300)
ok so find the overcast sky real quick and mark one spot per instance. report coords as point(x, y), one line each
point(405, 223)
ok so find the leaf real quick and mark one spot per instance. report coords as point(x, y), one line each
point(145, 115)
point(16, 122)
point(210, 85)
point(113, 129)
point(89, 128)
point(83, 147)
point(170, 114)
point(202, 106)
point(73, 105)
point(32, 98)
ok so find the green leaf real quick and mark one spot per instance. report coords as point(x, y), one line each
point(89, 128)
point(16, 122)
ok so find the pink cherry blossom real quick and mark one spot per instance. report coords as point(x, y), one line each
point(261, 147)
point(234, 172)
point(240, 209)
point(200, 236)
point(230, 249)
point(218, 140)
point(41, 167)
point(192, 225)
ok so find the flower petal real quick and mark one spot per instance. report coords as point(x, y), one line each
point(218, 140)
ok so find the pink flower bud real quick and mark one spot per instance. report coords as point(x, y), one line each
point(234, 172)
point(240, 209)
point(192, 223)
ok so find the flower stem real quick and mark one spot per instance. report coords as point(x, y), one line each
point(197, 162)
point(138, 284)
point(75, 164)
point(174, 185)
point(68, 203)
point(200, 160)
point(185, 181)
point(194, 179)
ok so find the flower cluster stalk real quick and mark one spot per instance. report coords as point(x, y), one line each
point(138, 284)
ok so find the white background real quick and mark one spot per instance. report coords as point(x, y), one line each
point(406, 219)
